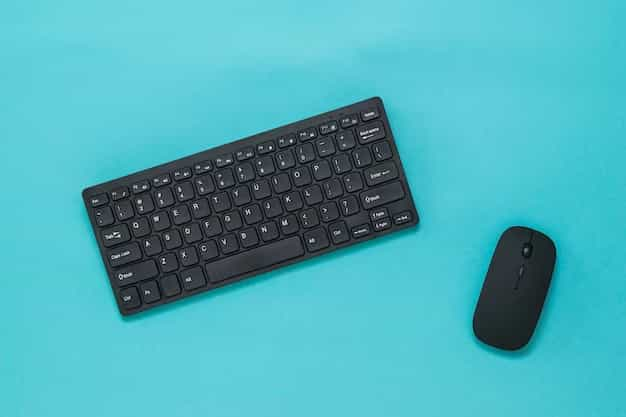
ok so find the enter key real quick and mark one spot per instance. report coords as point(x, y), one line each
point(380, 173)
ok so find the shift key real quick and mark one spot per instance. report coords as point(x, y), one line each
point(135, 273)
point(375, 197)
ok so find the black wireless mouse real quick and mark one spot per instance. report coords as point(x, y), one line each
point(515, 288)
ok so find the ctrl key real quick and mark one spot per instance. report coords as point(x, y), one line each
point(129, 298)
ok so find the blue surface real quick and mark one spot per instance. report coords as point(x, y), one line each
point(504, 114)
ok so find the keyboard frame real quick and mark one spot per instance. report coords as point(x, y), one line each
point(232, 147)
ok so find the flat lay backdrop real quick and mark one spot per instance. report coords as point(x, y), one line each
point(505, 113)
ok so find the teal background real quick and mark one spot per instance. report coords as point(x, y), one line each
point(504, 112)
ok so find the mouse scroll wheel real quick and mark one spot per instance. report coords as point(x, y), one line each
point(527, 250)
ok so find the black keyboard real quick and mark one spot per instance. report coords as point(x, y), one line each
point(250, 206)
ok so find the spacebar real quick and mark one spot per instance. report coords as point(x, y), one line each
point(254, 259)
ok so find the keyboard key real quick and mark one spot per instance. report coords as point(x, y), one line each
point(380, 173)
point(264, 166)
point(341, 164)
point(353, 182)
point(220, 202)
point(124, 210)
point(272, 208)
point(119, 193)
point(382, 151)
point(134, 273)
point(305, 153)
point(241, 195)
point(99, 200)
point(161, 180)
point(224, 178)
point(281, 183)
point(232, 221)
point(168, 262)
point(380, 196)
point(345, 140)
point(361, 231)
point(115, 235)
point(170, 285)
point(204, 185)
point(228, 244)
point(321, 170)
point(338, 232)
point(349, 206)
point(289, 224)
point(124, 255)
point(152, 246)
point(140, 227)
point(301, 176)
point(172, 239)
point(378, 214)
point(180, 215)
point(333, 189)
point(192, 233)
point(307, 134)
point(129, 298)
point(370, 132)
point(245, 172)
point(140, 187)
point(212, 227)
point(313, 195)
point(362, 157)
point(252, 214)
point(382, 224)
point(402, 218)
point(248, 238)
point(104, 216)
point(254, 259)
point(149, 292)
point(348, 121)
point(261, 189)
point(164, 198)
point(268, 231)
point(184, 191)
point(370, 114)
point(285, 159)
point(292, 201)
point(188, 256)
point(200, 208)
point(203, 167)
point(325, 147)
point(160, 221)
point(143, 204)
point(265, 147)
point(208, 250)
point(328, 127)
point(193, 279)
point(224, 160)
point(182, 174)
point(288, 140)
point(329, 212)
point(245, 154)
point(316, 239)
point(308, 218)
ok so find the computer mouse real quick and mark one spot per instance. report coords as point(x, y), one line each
point(515, 288)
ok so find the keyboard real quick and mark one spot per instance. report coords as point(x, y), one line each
point(250, 206)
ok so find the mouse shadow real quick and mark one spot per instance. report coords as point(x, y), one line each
point(538, 335)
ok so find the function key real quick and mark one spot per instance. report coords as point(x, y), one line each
point(119, 193)
point(224, 160)
point(140, 187)
point(286, 141)
point(265, 147)
point(348, 121)
point(402, 218)
point(182, 174)
point(328, 127)
point(245, 153)
point(99, 200)
point(369, 114)
point(307, 134)
point(161, 180)
point(202, 167)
